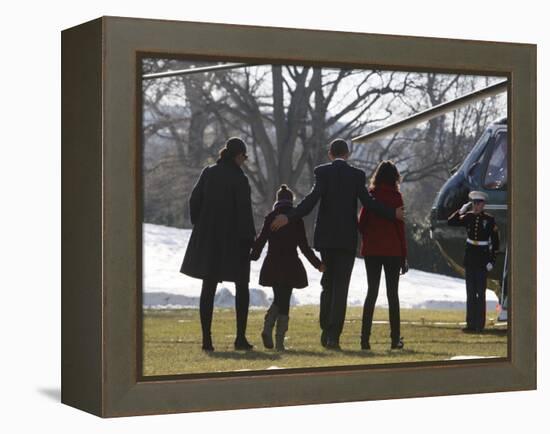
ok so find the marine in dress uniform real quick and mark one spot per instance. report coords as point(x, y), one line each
point(482, 243)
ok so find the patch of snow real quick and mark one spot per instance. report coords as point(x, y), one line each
point(164, 286)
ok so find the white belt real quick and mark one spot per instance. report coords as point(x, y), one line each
point(477, 243)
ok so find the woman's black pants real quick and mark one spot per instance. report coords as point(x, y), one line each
point(242, 298)
point(392, 267)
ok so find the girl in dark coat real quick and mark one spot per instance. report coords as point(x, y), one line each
point(282, 268)
point(383, 246)
point(223, 232)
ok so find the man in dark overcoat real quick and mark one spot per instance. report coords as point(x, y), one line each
point(223, 233)
point(338, 186)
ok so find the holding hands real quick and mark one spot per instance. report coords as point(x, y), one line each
point(278, 222)
point(404, 266)
point(400, 213)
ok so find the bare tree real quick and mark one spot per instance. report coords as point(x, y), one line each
point(289, 114)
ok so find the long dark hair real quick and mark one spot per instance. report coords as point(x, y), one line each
point(386, 173)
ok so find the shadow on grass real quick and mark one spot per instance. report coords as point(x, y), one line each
point(456, 328)
point(244, 355)
point(494, 332)
point(295, 352)
point(455, 342)
point(386, 353)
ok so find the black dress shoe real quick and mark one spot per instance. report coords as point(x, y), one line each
point(241, 344)
point(324, 339)
point(207, 345)
point(333, 345)
point(397, 345)
point(207, 348)
point(467, 330)
point(365, 346)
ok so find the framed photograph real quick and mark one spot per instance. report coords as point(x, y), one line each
point(258, 216)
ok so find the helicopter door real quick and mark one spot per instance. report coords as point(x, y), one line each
point(495, 185)
point(495, 181)
point(496, 175)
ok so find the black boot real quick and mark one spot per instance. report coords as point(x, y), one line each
point(324, 338)
point(242, 344)
point(333, 343)
point(365, 345)
point(241, 305)
point(206, 311)
point(269, 322)
point(397, 344)
point(207, 343)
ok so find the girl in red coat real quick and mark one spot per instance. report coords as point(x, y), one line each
point(282, 268)
point(383, 246)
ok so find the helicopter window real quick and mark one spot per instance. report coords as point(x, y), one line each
point(477, 152)
point(496, 175)
point(473, 173)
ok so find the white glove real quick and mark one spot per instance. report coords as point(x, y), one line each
point(464, 208)
point(489, 266)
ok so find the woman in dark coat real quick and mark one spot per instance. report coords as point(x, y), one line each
point(383, 246)
point(223, 232)
point(282, 268)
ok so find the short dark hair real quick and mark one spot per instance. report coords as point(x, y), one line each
point(338, 148)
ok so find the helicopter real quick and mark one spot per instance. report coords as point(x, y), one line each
point(485, 168)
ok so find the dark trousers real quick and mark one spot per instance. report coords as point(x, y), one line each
point(476, 283)
point(392, 267)
point(334, 296)
point(242, 298)
point(281, 298)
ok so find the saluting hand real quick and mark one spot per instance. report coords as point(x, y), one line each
point(278, 222)
point(465, 208)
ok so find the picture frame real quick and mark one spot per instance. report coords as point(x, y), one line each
point(101, 227)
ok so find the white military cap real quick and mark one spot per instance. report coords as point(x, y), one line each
point(478, 195)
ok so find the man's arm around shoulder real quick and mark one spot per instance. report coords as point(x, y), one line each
point(306, 205)
point(371, 204)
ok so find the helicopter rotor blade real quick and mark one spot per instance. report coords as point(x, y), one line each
point(433, 112)
point(194, 70)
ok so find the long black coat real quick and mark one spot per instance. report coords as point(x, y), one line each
point(337, 188)
point(223, 226)
point(282, 266)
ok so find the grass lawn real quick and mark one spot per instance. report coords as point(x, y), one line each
point(172, 341)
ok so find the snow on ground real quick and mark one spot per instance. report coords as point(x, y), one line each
point(165, 286)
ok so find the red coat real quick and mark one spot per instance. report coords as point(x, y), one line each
point(380, 236)
point(282, 266)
